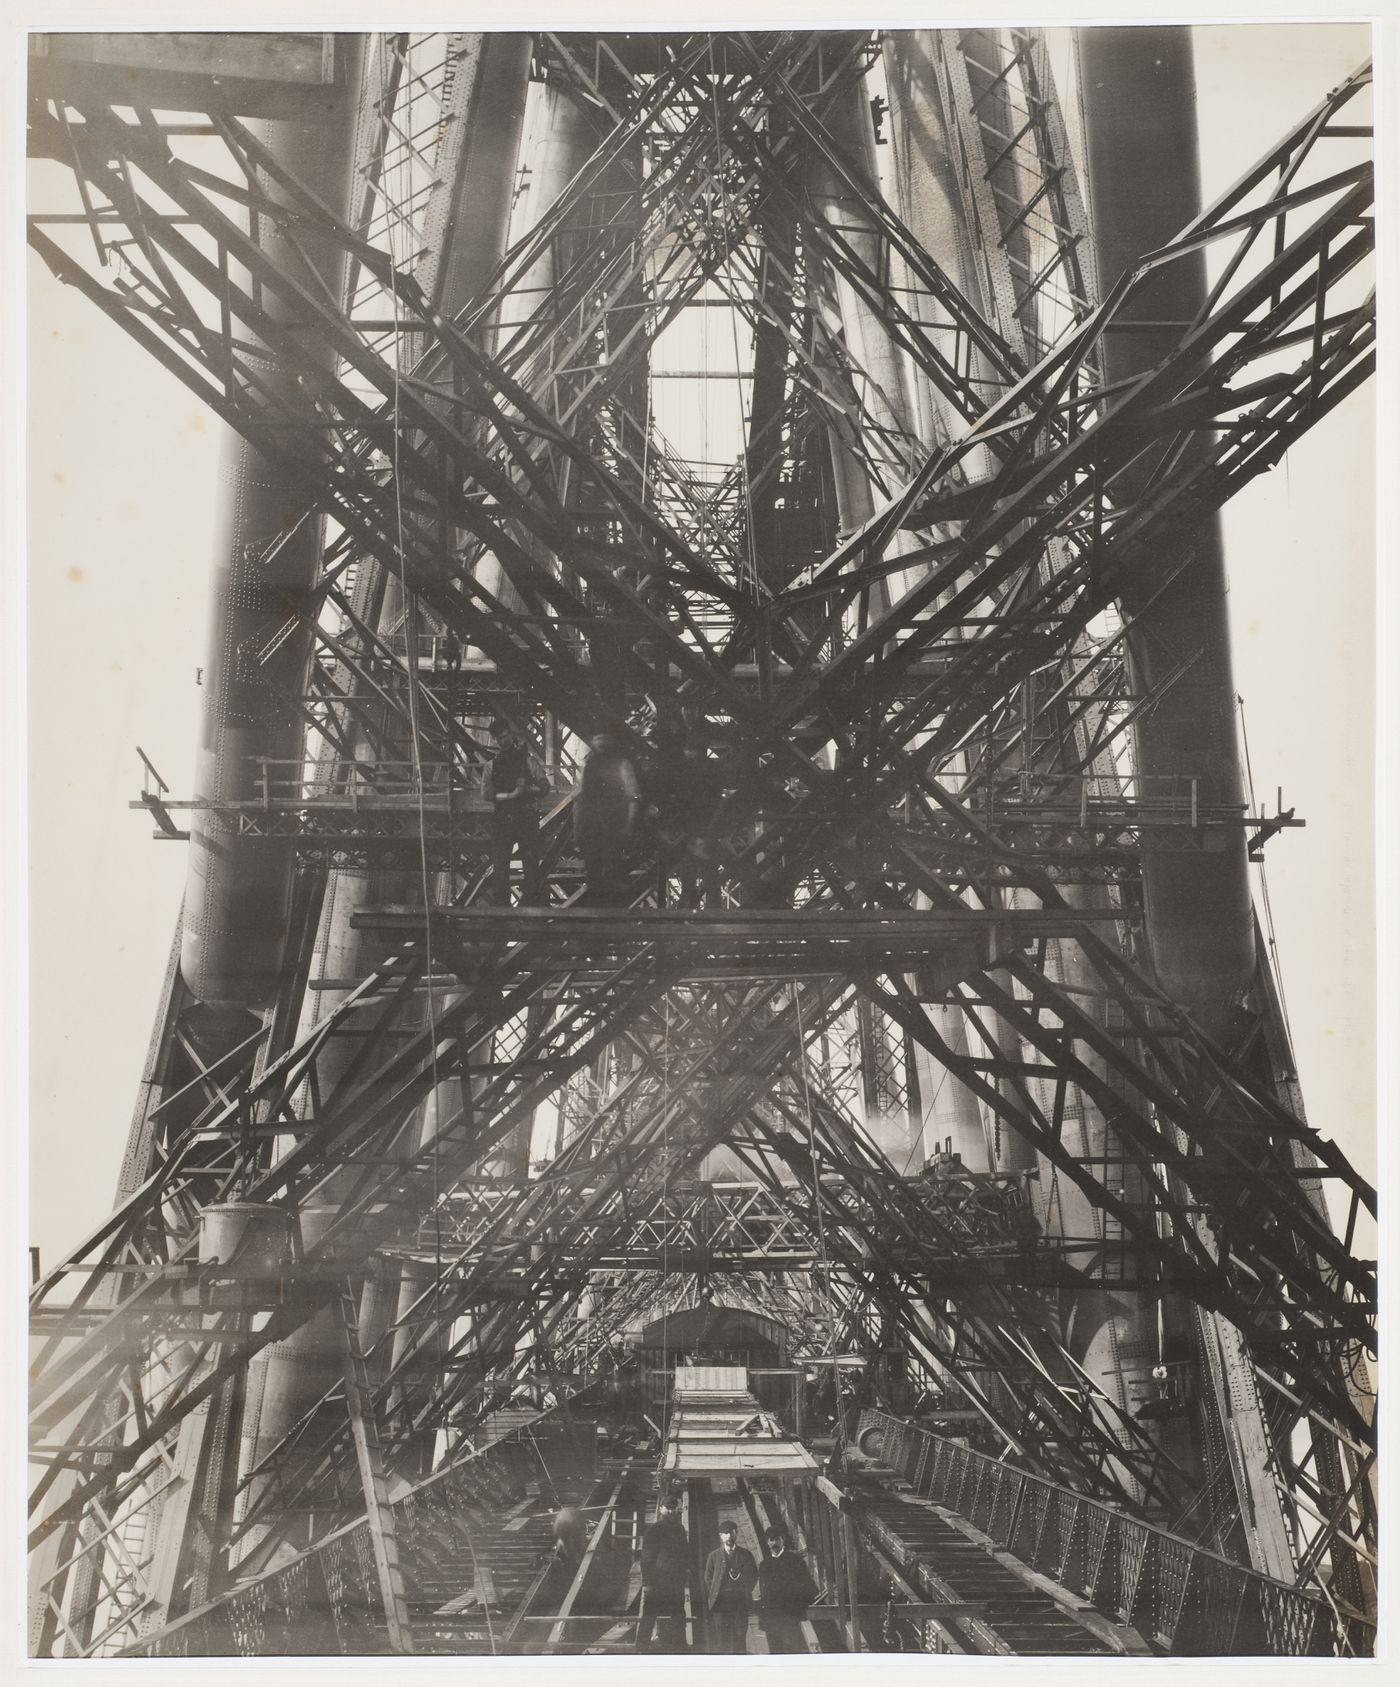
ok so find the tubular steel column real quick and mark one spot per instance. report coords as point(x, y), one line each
point(465, 227)
point(1139, 97)
point(238, 894)
point(952, 123)
point(1139, 100)
point(886, 429)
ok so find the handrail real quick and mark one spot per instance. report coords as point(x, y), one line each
point(1184, 1598)
point(326, 1600)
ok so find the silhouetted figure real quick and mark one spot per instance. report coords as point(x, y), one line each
point(665, 1572)
point(785, 1590)
point(730, 1578)
point(605, 818)
point(699, 790)
point(515, 785)
point(570, 1532)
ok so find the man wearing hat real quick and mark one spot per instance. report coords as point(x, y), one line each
point(730, 1578)
point(665, 1572)
point(785, 1590)
point(515, 786)
point(605, 818)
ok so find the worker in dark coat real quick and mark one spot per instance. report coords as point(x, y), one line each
point(515, 785)
point(665, 1573)
point(605, 817)
point(730, 1578)
point(785, 1590)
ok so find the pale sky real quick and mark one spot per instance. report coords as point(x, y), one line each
point(121, 483)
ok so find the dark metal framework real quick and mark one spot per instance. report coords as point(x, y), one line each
point(1189, 1602)
point(922, 726)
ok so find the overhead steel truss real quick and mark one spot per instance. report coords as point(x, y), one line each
point(922, 730)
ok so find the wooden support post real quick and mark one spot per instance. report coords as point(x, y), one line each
point(695, 1493)
point(839, 1534)
point(831, 1539)
point(850, 1554)
point(367, 1454)
point(793, 1496)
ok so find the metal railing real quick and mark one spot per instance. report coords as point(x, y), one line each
point(300, 784)
point(1182, 1598)
point(1087, 799)
point(326, 1601)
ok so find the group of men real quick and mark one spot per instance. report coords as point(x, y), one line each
point(606, 817)
point(781, 1578)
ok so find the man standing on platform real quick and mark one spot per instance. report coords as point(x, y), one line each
point(665, 1572)
point(785, 1591)
point(516, 785)
point(605, 819)
point(730, 1578)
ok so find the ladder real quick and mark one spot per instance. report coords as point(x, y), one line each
point(370, 1458)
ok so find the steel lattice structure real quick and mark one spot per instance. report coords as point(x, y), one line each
point(902, 615)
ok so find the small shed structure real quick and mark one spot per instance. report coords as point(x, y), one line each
point(718, 1429)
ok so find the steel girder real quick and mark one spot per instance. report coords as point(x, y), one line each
point(977, 652)
point(546, 1260)
point(1060, 442)
point(716, 1227)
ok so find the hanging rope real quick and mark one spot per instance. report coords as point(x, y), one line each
point(411, 632)
point(665, 1195)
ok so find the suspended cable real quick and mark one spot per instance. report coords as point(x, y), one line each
point(666, 1379)
point(411, 635)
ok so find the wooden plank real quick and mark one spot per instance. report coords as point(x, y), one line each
point(851, 1554)
point(711, 1379)
point(239, 73)
point(556, 1634)
point(522, 1610)
point(281, 57)
point(832, 1494)
point(481, 1592)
